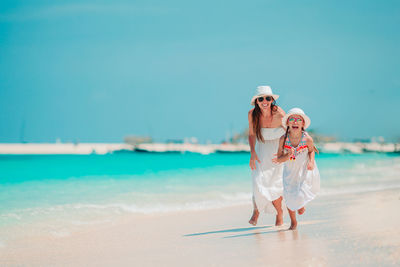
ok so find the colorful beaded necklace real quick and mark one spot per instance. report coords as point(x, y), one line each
point(300, 147)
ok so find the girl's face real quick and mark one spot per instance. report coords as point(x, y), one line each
point(295, 122)
point(264, 102)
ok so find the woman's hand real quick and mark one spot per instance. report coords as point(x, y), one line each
point(253, 160)
point(310, 165)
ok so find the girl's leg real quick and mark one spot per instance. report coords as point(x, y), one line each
point(278, 206)
point(256, 213)
point(301, 211)
point(293, 224)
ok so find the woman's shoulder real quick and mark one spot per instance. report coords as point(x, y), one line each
point(279, 111)
point(250, 114)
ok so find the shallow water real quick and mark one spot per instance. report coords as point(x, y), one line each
point(84, 189)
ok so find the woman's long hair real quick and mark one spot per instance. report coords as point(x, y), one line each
point(256, 114)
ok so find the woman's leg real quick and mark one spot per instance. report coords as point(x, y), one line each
point(293, 224)
point(278, 206)
point(256, 213)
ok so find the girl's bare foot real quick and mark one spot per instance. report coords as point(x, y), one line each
point(293, 226)
point(279, 220)
point(301, 211)
point(254, 217)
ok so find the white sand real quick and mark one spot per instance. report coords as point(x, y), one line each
point(346, 230)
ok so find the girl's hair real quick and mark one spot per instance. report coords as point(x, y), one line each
point(255, 115)
point(284, 140)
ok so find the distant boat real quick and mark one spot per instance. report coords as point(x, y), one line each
point(230, 152)
point(141, 150)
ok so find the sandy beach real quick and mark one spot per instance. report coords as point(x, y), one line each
point(342, 230)
point(144, 133)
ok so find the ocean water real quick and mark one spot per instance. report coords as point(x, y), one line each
point(60, 190)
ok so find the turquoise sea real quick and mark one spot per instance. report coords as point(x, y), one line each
point(84, 189)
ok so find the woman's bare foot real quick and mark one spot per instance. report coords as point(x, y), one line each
point(301, 211)
point(293, 226)
point(278, 206)
point(254, 217)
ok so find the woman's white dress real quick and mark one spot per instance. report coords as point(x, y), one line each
point(267, 177)
point(299, 184)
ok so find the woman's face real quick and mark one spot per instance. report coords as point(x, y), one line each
point(295, 122)
point(264, 102)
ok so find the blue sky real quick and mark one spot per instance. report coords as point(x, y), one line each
point(96, 71)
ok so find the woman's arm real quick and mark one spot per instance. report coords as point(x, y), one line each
point(252, 143)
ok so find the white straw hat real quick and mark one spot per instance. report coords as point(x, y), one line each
point(263, 90)
point(296, 111)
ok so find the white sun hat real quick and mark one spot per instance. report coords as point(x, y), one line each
point(296, 111)
point(263, 90)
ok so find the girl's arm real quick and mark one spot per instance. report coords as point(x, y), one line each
point(281, 155)
point(252, 143)
point(311, 153)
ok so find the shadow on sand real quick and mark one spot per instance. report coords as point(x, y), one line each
point(259, 233)
point(231, 230)
point(270, 229)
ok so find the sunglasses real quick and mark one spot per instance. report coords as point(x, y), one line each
point(295, 119)
point(261, 98)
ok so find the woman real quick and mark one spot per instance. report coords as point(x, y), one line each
point(265, 129)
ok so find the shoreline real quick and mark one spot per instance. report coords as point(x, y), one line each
point(353, 229)
point(106, 148)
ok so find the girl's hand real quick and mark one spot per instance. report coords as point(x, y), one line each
point(291, 152)
point(253, 160)
point(310, 165)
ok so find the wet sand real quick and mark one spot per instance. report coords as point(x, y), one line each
point(342, 230)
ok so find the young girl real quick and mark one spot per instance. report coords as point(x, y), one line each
point(301, 180)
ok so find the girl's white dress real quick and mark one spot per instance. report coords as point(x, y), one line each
point(299, 184)
point(267, 177)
